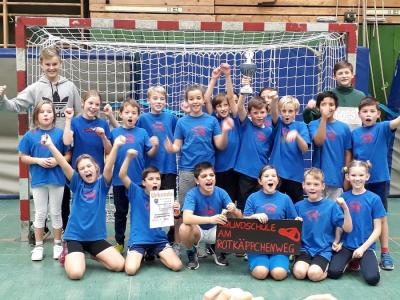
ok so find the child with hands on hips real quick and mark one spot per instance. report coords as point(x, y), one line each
point(144, 239)
point(86, 230)
point(269, 204)
point(87, 132)
point(47, 177)
point(202, 211)
point(321, 218)
point(367, 212)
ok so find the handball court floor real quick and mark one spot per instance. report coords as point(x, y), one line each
point(20, 278)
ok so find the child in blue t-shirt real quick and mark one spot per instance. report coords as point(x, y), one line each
point(255, 145)
point(143, 239)
point(367, 212)
point(195, 136)
point(87, 133)
point(269, 204)
point(332, 144)
point(138, 139)
point(86, 230)
point(223, 106)
point(372, 142)
point(202, 211)
point(321, 217)
point(291, 140)
point(47, 177)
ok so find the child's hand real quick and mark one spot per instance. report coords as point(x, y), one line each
point(311, 104)
point(358, 253)
point(177, 208)
point(231, 207)
point(168, 145)
point(219, 219)
point(325, 112)
point(108, 110)
point(69, 113)
point(341, 202)
point(46, 140)
point(261, 217)
point(291, 136)
point(52, 162)
point(336, 246)
point(120, 140)
point(185, 107)
point(225, 69)
point(99, 131)
point(246, 80)
point(299, 219)
point(154, 141)
point(131, 153)
point(216, 73)
point(2, 90)
point(227, 124)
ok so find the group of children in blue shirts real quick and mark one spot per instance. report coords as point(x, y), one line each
point(224, 155)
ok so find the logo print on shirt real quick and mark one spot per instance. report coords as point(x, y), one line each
point(209, 211)
point(89, 194)
point(260, 136)
point(90, 129)
point(331, 135)
point(267, 123)
point(270, 208)
point(199, 131)
point(158, 127)
point(355, 206)
point(367, 138)
point(313, 215)
point(130, 138)
point(59, 106)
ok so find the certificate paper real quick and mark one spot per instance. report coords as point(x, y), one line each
point(161, 211)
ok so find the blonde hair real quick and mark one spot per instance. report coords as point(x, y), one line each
point(91, 93)
point(156, 89)
point(358, 163)
point(315, 173)
point(36, 111)
point(48, 53)
point(285, 100)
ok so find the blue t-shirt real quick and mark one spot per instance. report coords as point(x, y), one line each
point(197, 135)
point(268, 120)
point(140, 232)
point(87, 221)
point(364, 209)
point(30, 145)
point(287, 157)
point(276, 206)
point(138, 139)
point(86, 141)
point(330, 157)
point(320, 220)
point(226, 159)
point(372, 143)
point(206, 206)
point(255, 146)
point(162, 126)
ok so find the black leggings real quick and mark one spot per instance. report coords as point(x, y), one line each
point(368, 265)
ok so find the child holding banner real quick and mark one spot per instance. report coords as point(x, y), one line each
point(367, 212)
point(202, 211)
point(321, 217)
point(269, 204)
point(144, 239)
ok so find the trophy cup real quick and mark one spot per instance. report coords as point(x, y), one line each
point(247, 69)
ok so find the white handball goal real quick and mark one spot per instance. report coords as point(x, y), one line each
point(123, 59)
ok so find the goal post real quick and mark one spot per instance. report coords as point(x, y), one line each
point(123, 58)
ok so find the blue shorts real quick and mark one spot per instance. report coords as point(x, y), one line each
point(269, 261)
point(151, 249)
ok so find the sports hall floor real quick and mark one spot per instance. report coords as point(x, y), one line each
point(20, 278)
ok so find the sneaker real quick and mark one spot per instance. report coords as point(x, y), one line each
point(354, 265)
point(193, 260)
point(245, 257)
point(386, 262)
point(220, 258)
point(202, 253)
point(240, 254)
point(37, 253)
point(57, 249)
point(119, 247)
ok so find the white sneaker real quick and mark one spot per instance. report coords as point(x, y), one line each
point(57, 249)
point(37, 253)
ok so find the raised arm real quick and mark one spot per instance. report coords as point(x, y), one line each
point(215, 74)
point(123, 172)
point(106, 142)
point(320, 135)
point(226, 69)
point(22, 102)
point(62, 162)
point(155, 142)
point(68, 135)
point(174, 147)
point(110, 160)
point(221, 140)
point(110, 115)
point(347, 222)
point(395, 123)
point(274, 110)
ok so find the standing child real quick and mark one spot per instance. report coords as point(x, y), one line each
point(268, 94)
point(255, 145)
point(367, 212)
point(321, 217)
point(86, 230)
point(47, 177)
point(87, 132)
point(290, 142)
point(137, 139)
point(269, 204)
point(195, 137)
point(144, 239)
point(332, 144)
point(371, 142)
point(202, 211)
